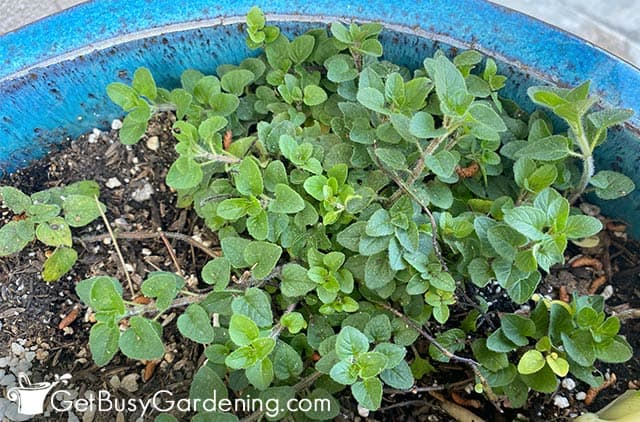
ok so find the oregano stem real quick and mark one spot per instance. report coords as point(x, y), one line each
point(418, 168)
point(172, 254)
point(115, 245)
point(220, 158)
point(434, 226)
point(417, 390)
point(475, 366)
point(177, 303)
point(588, 167)
point(588, 170)
point(277, 329)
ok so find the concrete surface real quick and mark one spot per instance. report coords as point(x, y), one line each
point(16, 13)
point(611, 24)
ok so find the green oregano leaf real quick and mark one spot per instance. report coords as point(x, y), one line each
point(195, 324)
point(142, 340)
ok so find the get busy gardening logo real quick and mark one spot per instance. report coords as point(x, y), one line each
point(34, 398)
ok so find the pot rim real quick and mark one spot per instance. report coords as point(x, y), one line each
point(540, 49)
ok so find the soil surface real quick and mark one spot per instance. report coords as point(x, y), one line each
point(132, 186)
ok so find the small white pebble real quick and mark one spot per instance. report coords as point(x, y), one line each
point(96, 131)
point(607, 292)
point(145, 252)
point(153, 143)
point(130, 382)
point(113, 183)
point(92, 138)
point(116, 124)
point(135, 160)
point(17, 349)
point(143, 193)
point(106, 240)
point(568, 384)
point(581, 395)
point(129, 268)
point(560, 402)
point(363, 411)
point(114, 381)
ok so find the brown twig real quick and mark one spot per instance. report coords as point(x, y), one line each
point(458, 412)
point(463, 401)
point(172, 254)
point(596, 284)
point(153, 235)
point(593, 392)
point(627, 314)
point(586, 261)
point(403, 404)
point(115, 245)
point(149, 369)
point(70, 317)
point(177, 303)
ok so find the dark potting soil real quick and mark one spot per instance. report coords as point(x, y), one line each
point(138, 201)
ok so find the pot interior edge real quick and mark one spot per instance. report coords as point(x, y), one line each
point(65, 97)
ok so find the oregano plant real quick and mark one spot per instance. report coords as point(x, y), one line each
point(48, 216)
point(357, 203)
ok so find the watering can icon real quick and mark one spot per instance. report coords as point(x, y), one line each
point(30, 397)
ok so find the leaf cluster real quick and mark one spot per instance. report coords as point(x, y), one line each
point(555, 340)
point(48, 216)
point(341, 185)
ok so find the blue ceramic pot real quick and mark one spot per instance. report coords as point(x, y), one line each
point(54, 72)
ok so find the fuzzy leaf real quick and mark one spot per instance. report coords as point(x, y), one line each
point(14, 199)
point(142, 340)
point(195, 324)
point(184, 173)
point(236, 81)
point(242, 330)
point(350, 343)
point(263, 256)
point(255, 304)
point(80, 210)
point(368, 393)
point(144, 84)
point(217, 272)
point(286, 201)
point(611, 184)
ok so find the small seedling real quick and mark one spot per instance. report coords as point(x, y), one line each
point(49, 216)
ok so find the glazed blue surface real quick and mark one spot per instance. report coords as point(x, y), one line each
point(54, 72)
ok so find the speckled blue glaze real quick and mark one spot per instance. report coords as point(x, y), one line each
point(53, 73)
